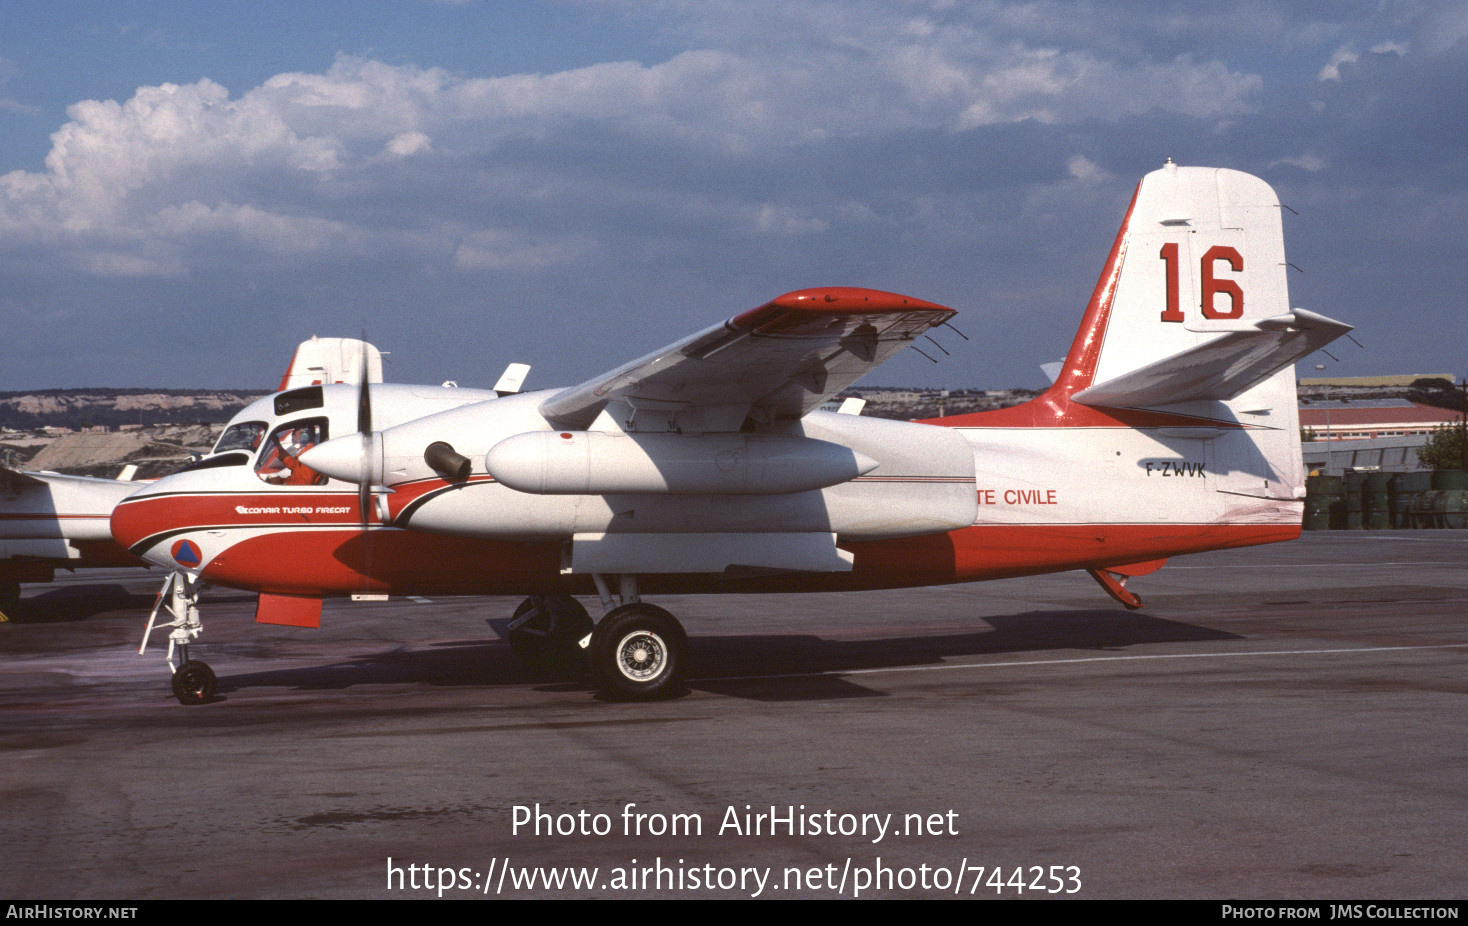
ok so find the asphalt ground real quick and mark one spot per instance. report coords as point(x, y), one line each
point(1277, 722)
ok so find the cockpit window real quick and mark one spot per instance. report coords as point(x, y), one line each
point(243, 436)
point(299, 400)
point(216, 460)
point(280, 459)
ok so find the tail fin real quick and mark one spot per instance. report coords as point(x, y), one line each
point(331, 360)
point(1192, 318)
point(1193, 306)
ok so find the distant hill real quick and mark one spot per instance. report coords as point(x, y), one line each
point(113, 408)
point(155, 450)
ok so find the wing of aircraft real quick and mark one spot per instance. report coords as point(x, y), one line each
point(776, 362)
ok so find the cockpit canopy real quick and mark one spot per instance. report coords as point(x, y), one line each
point(272, 432)
point(242, 436)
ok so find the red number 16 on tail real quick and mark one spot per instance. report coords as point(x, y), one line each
point(1211, 286)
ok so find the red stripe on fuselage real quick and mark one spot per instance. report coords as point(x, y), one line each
point(997, 551)
point(407, 562)
point(137, 519)
point(399, 562)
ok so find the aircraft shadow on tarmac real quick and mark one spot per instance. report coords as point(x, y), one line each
point(761, 667)
point(77, 603)
point(796, 667)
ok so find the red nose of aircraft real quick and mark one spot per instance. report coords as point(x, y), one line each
point(139, 517)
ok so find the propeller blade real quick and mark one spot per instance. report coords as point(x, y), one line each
point(364, 398)
point(364, 429)
point(370, 475)
point(364, 498)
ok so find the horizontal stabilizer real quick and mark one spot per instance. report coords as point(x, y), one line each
point(1219, 369)
point(13, 480)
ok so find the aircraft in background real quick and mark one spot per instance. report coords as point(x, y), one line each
point(51, 521)
point(707, 466)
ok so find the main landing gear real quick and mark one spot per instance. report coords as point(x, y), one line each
point(9, 598)
point(193, 680)
point(636, 652)
point(547, 633)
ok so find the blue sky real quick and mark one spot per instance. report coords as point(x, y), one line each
point(188, 190)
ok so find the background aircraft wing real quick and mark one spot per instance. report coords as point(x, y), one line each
point(778, 361)
point(11, 480)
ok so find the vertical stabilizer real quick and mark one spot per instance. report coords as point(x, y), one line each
point(332, 360)
point(1201, 254)
point(1188, 343)
point(1192, 317)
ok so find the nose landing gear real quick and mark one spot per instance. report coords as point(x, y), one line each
point(193, 681)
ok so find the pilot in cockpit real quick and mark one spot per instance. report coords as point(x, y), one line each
point(280, 462)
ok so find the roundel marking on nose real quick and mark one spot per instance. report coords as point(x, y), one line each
point(186, 553)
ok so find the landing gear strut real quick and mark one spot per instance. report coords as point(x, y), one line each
point(9, 598)
point(193, 681)
point(547, 633)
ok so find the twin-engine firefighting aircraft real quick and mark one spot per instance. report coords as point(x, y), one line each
point(707, 466)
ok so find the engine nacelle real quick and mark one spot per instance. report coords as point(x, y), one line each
point(608, 463)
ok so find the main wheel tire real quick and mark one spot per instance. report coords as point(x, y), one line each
point(194, 683)
point(638, 653)
point(550, 641)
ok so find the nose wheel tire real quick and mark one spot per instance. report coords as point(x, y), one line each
point(638, 653)
point(194, 683)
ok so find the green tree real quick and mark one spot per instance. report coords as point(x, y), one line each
point(1444, 449)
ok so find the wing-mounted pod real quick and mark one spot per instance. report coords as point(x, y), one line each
point(605, 462)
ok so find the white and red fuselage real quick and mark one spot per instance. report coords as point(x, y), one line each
point(1045, 486)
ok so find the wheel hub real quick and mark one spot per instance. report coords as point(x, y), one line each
point(642, 655)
